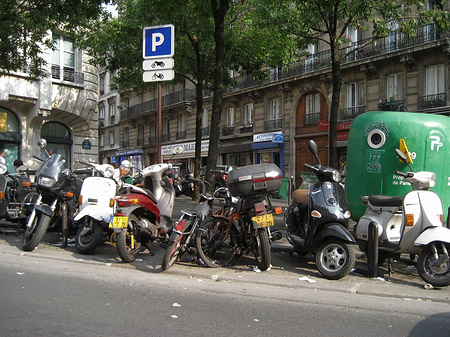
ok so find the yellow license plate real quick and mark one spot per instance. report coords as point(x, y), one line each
point(265, 220)
point(118, 222)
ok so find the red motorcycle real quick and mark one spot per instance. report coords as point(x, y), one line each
point(143, 214)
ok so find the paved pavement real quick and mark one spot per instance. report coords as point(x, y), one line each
point(287, 270)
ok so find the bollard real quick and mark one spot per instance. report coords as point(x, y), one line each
point(372, 249)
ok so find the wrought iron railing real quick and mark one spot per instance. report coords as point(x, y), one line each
point(433, 101)
point(273, 124)
point(165, 138)
point(246, 129)
point(312, 119)
point(205, 132)
point(228, 131)
point(351, 112)
point(391, 105)
point(181, 135)
point(67, 74)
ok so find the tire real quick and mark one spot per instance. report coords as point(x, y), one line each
point(215, 246)
point(34, 234)
point(437, 276)
point(261, 250)
point(87, 242)
point(124, 238)
point(335, 259)
point(172, 253)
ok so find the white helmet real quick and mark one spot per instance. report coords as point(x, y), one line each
point(127, 164)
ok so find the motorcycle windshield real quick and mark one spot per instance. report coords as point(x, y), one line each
point(51, 167)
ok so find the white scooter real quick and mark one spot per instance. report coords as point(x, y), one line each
point(96, 206)
point(412, 225)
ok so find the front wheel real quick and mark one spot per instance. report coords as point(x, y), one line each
point(89, 236)
point(34, 234)
point(172, 253)
point(431, 270)
point(261, 249)
point(335, 259)
point(127, 245)
point(216, 242)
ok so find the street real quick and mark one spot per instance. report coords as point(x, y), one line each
point(58, 291)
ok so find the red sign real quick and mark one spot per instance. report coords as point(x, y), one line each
point(323, 126)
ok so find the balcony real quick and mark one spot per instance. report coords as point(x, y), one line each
point(228, 131)
point(397, 105)
point(181, 135)
point(140, 142)
point(205, 132)
point(351, 113)
point(246, 129)
point(67, 74)
point(273, 124)
point(152, 140)
point(125, 143)
point(165, 138)
point(101, 122)
point(112, 119)
point(433, 101)
point(311, 119)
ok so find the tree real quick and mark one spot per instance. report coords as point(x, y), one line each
point(25, 25)
point(327, 21)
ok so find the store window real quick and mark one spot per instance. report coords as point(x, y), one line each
point(59, 140)
point(10, 137)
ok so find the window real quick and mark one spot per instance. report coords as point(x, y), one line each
point(309, 62)
point(354, 94)
point(112, 138)
point(102, 140)
point(275, 73)
point(181, 122)
point(101, 115)
point(230, 117)
point(434, 79)
point(312, 108)
point(140, 140)
point(126, 137)
point(394, 87)
point(102, 84)
point(275, 109)
point(63, 58)
point(152, 129)
point(248, 114)
point(112, 112)
point(205, 118)
point(59, 140)
point(392, 38)
point(165, 126)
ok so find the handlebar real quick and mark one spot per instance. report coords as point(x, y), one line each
point(406, 175)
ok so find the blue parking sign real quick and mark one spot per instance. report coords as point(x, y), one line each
point(159, 41)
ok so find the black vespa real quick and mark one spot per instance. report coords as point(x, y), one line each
point(317, 222)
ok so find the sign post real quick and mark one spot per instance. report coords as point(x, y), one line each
point(158, 51)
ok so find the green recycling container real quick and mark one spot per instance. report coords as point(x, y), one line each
point(372, 162)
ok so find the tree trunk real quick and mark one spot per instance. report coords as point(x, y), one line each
point(334, 111)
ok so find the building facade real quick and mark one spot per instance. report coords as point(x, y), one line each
point(272, 120)
point(62, 108)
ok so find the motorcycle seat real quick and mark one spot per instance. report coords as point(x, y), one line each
point(150, 194)
point(301, 196)
point(385, 200)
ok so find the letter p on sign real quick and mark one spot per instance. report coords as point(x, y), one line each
point(158, 41)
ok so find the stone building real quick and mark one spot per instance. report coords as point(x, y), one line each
point(60, 108)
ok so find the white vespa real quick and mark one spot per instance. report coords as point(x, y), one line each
point(412, 224)
point(96, 206)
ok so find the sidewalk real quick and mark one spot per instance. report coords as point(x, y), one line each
point(286, 271)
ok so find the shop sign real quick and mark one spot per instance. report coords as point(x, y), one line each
point(189, 148)
point(323, 126)
point(129, 152)
point(268, 137)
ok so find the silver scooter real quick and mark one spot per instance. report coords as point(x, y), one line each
point(412, 224)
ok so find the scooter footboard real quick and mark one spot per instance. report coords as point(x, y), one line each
point(335, 230)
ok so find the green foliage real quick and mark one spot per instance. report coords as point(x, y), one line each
point(25, 25)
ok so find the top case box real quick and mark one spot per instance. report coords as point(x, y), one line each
point(254, 180)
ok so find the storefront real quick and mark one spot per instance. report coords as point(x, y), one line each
point(136, 156)
point(185, 160)
point(269, 148)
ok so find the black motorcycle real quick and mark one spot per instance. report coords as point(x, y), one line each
point(317, 222)
point(56, 203)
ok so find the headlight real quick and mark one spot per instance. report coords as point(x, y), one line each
point(46, 181)
point(336, 176)
point(109, 172)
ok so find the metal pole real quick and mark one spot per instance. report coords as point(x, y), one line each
point(159, 127)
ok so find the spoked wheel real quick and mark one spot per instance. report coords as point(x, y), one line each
point(434, 271)
point(127, 245)
point(89, 236)
point(34, 234)
point(216, 242)
point(261, 249)
point(171, 255)
point(335, 259)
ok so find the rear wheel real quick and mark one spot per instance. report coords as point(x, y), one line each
point(216, 242)
point(432, 270)
point(34, 234)
point(335, 259)
point(261, 249)
point(127, 245)
point(89, 236)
